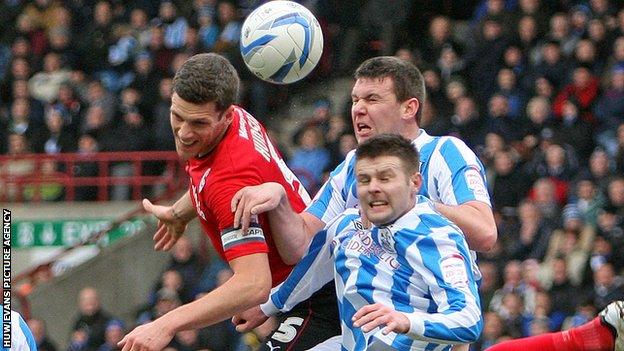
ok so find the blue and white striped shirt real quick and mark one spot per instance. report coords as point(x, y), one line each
point(452, 174)
point(21, 336)
point(419, 265)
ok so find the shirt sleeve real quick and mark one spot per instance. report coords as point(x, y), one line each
point(331, 200)
point(459, 175)
point(218, 195)
point(315, 269)
point(443, 262)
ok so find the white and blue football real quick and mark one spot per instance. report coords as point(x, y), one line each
point(281, 42)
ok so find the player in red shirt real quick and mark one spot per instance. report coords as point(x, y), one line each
point(244, 156)
point(225, 149)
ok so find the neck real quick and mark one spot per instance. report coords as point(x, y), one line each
point(411, 132)
point(409, 208)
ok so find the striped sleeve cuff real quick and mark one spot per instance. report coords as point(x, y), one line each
point(269, 308)
point(417, 324)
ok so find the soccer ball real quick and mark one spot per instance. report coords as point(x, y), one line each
point(281, 42)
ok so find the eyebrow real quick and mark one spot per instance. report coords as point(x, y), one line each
point(175, 113)
point(367, 97)
point(378, 171)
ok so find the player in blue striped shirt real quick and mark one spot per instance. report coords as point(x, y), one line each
point(21, 336)
point(387, 97)
point(405, 284)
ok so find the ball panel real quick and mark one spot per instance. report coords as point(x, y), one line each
point(273, 61)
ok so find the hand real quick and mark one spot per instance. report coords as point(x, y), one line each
point(148, 337)
point(370, 317)
point(249, 319)
point(253, 200)
point(170, 227)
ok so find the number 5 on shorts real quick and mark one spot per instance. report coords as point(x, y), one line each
point(287, 330)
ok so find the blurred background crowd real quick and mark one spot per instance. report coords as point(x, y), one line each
point(534, 87)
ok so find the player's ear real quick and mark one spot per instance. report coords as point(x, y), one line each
point(416, 181)
point(410, 108)
point(227, 114)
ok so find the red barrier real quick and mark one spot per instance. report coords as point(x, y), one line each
point(26, 177)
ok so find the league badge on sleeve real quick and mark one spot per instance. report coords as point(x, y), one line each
point(454, 271)
point(474, 181)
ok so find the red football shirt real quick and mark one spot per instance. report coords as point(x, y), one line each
point(245, 156)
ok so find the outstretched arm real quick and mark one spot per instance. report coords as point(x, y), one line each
point(249, 286)
point(172, 220)
point(292, 231)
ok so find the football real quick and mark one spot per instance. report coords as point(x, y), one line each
point(281, 42)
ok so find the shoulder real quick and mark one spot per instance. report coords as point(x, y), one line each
point(345, 166)
point(241, 145)
point(245, 144)
point(350, 218)
point(425, 221)
point(447, 142)
point(452, 153)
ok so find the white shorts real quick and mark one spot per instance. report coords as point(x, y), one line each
point(335, 343)
point(332, 344)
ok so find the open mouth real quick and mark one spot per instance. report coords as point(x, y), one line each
point(363, 128)
point(186, 144)
point(377, 203)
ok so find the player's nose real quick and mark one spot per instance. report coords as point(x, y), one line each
point(358, 108)
point(184, 131)
point(374, 186)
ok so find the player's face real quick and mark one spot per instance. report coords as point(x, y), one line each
point(197, 128)
point(375, 109)
point(385, 189)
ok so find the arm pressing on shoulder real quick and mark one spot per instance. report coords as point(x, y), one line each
point(476, 221)
point(249, 286)
point(291, 231)
point(172, 220)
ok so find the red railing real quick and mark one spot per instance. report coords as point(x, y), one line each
point(26, 178)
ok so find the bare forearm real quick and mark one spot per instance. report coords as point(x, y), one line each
point(476, 221)
point(235, 296)
point(292, 231)
point(183, 208)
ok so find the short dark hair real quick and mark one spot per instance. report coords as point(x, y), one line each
point(408, 81)
point(205, 78)
point(390, 145)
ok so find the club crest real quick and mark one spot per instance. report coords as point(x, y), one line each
point(386, 239)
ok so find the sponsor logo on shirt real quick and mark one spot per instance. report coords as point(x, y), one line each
point(363, 244)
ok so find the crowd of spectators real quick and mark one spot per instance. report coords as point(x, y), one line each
point(187, 276)
point(535, 87)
